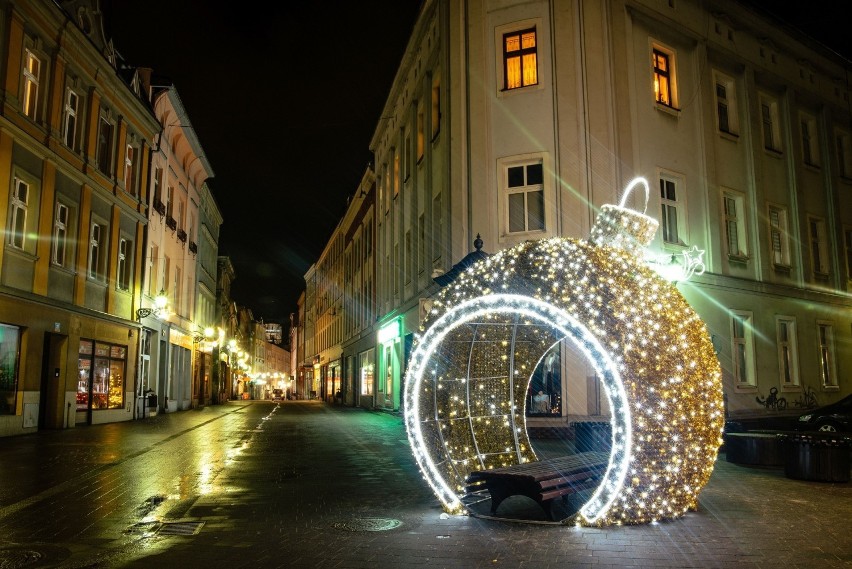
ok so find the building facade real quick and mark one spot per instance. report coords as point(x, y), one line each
point(76, 134)
point(517, 120)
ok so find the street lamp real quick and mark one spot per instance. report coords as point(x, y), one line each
point(160, 308)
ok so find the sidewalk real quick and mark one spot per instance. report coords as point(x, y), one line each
point(310, 485)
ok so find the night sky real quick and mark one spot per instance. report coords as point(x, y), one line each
point(285, 97)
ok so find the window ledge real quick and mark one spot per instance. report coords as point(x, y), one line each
point(830, 387)
point(791, 388)
point(774, 152)
point(782, 269)
point(673, 111)
point(821, 276)
point(745, 388)
point(846, 178)
point(732, 136)
point(738, 259)
point(21, 253)
point(812, 167)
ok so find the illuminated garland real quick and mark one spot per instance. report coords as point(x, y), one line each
point(470, 369)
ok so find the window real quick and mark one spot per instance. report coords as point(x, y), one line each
point(69, 123)
point(159, 206)
point(395, 154)
point(367, 372)
point(810, 142)
point(96, 246)
point(664, 87)
point(406, 165)
point(778, 237)
point(520, 68)
point(100, 377)
point(735, 228)
point(726, 104)
point(123, 264)
point(60, 234)
point(771, 129)
point(742, 348)
point(671, 209)
point(819, 246)
point(788, 353)
point(32, 74)
point(131, 159)
point(421, 135)
point(409, 263)
point(170, 202)
point(847, 240)
point(18, 213)
point(844, 154)
point(436, 105)
point(525, 197)
point(10, 338)
point(105, 134)
point(437, 227)
point(153, 265)
point(825, 337)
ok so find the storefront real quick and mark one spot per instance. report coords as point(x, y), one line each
point(390, 348)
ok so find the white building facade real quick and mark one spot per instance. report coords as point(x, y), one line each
point(518, 120)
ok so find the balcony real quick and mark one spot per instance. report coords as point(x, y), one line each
point(159, 207)
point(181, 234)
point(193, 248)
point(171, 223)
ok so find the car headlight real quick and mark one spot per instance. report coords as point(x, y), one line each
point(805, 418)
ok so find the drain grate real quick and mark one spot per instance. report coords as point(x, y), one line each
point(368, 524)
point(180, 528)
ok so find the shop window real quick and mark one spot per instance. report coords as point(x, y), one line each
point(10, 347)
point(100, 381)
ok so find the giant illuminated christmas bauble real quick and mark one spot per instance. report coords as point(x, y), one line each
point(471, 366)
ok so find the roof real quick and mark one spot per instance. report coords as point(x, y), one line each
point(468, 260)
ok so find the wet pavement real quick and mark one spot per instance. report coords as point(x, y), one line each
point(301, 484)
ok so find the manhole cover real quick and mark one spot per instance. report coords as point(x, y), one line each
point(368, 524)
point(180, 528)
point(20, 556)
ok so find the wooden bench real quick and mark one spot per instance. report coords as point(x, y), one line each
point(543, 481)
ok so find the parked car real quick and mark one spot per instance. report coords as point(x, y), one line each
point(836, 417)
point(278, 395)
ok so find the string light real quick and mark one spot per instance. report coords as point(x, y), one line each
point(470, 368)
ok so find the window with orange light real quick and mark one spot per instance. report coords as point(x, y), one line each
point(520, 65)
point(662, 78)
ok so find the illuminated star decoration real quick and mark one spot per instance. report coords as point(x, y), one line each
point(471, 366)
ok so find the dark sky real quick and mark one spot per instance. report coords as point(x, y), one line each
point(284, 97)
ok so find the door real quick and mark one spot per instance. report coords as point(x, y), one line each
point(52, 411)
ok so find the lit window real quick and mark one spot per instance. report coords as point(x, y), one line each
point(662, 78)
point(525, 197)
point(32, 72)
point(520, 68)
point(825, 336)
point(69, 126)
point(742, 348)
point(406, 166)
point(95, 251)
point(18, 216)
point(788, 355)
point(810, 143)
point(436, 105)
point(421, 135)
point(779, 237)
point(818, 245)
point(769, 120)
point(395, 154)
point(726, 104)
point(735, 227)
point(60, 234)
point(10, 347)
point(671, 209)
